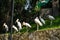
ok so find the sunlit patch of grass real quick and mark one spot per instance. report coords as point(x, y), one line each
point(55, 27)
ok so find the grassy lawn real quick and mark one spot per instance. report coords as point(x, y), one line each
point(47, 26)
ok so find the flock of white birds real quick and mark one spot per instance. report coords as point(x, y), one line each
point(39, 21)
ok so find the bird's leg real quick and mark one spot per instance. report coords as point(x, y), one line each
point(37, 27)
point(18, 31)
point(4, 36)
point(51, 22)
point(27, 28)
point(14, 32)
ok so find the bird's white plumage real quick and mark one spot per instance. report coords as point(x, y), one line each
point(6, 27)
point(19, 24)
point(37, 21)
point(27, 24)
point(27, 4)
point(14, 27)
point(26, 7)
point(51, 17)
point(42, 20)
point(43, 1)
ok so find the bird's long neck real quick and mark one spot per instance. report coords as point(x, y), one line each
point(24, 23)
point(17, 21)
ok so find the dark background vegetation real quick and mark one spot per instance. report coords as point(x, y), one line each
point(5, 11)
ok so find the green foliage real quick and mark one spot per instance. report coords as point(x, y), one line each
point(5, 14)
point(47, 26)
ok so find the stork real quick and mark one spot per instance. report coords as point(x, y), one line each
point(19, 24)
point(43, 1)
point(38, 22)
point(27, 25)
point(27, 5)
point(51, 18)
point(42, 20)
point(14, 27)
point(6, 27)
point(6, 30)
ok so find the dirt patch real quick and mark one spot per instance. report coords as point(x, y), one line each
point(37, 35)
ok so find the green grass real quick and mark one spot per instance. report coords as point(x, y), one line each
point(47, 26)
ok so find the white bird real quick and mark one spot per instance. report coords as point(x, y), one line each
point(27, 25)
point(27, 5)
point(6, 26)
point(42, 20)
point(51, 18)
point(19, 24)
point(14, 27)
point(38, 22)
point(43, 1)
